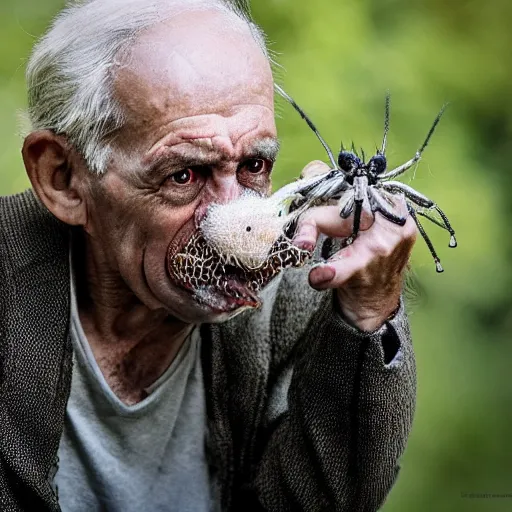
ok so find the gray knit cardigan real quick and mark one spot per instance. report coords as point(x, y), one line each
point(305, 413)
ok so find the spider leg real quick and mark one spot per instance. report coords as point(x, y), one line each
point(329, 188)
point(399, 187)
point(431, 219)
point(346, 204)
point(304, 116)
point(453, 240)
point(423, 201)
point(404, 167)
point(360, 193)
point(397, 171)
point(423, 233)
point(386, 124)
point(379, 204)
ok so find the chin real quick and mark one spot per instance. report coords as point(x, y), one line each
point(205, 306)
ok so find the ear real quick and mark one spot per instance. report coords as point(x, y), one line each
point(56, 179)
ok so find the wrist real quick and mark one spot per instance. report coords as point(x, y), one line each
point(368, 318)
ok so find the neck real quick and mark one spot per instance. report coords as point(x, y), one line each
point(132, 344)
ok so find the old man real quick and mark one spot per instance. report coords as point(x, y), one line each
point(119, 389)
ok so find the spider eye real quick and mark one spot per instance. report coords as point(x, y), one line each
point(347, 161)
point(377, 164)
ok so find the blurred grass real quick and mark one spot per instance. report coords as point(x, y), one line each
point(338, 59)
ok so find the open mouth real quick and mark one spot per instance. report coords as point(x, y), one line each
point(222, 281)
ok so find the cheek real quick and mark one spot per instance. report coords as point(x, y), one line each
point(142, 224)
point(160, 227)
point(261, 183)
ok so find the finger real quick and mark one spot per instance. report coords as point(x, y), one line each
point(398, 207)
point(409, 230)
point(391, 246)
point(327, 220)
point(367, 216)
point(339, 269)
point(322, 219)
point(314, 168)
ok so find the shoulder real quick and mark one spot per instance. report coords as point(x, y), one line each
point(34, 261)
point(29, 234)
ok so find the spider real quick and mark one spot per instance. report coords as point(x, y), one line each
point(357, 183)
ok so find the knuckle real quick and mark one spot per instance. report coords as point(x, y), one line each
point(308, 218)
point(386, 249)
point(314, 168)
point(410, 231)
point(383, 245)
point(367, 220)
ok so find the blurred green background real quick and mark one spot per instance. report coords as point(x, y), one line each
point(338, 59)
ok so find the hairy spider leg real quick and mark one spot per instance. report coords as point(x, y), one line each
point(386, 124)
point(378, 204)
point(453, 240)
point(425, 237)
point(423, 201)
point(330, 188)
point(433, 127)
point(360, 193)
point(346, 203)
point(323, 192)
point(431, 219)
point(444, 225)
point(404, 167)
point(304, 116)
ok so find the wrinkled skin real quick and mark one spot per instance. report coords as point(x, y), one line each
point(198, 98)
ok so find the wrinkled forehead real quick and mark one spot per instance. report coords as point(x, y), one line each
point(197, 62)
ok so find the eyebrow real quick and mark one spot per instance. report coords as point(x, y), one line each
point(266, 148)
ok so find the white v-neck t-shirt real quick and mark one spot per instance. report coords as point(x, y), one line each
point(145, 457)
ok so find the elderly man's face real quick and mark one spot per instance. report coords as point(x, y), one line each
point(200, 128)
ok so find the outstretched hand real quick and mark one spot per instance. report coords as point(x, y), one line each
point(367, 275)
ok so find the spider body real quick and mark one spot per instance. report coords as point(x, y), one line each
point(358, 184)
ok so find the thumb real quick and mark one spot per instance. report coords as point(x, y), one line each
point(314, 168)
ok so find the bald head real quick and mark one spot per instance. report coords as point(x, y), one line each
point(69, 75)
point(196, 63)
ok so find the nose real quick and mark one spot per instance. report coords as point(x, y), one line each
point(221, 188)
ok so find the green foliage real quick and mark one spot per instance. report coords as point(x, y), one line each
point(340, 57)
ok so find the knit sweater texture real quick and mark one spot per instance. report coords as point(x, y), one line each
point(305, 412)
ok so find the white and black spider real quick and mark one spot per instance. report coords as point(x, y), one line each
point(354, 182)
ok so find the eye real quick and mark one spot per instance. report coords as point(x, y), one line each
point(347, 161)
point(184, 177)
point(377, 164)
point(256, 165)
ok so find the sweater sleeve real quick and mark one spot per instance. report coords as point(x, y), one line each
point(348, 400)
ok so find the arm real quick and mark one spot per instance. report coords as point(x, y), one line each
point(350, 404)
point(349, 412)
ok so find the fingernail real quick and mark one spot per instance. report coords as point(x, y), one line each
point(321, 275)
point(304, 244)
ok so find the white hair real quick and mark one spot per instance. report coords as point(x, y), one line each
point(69, 78)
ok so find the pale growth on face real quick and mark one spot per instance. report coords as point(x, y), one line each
point(245, 230)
